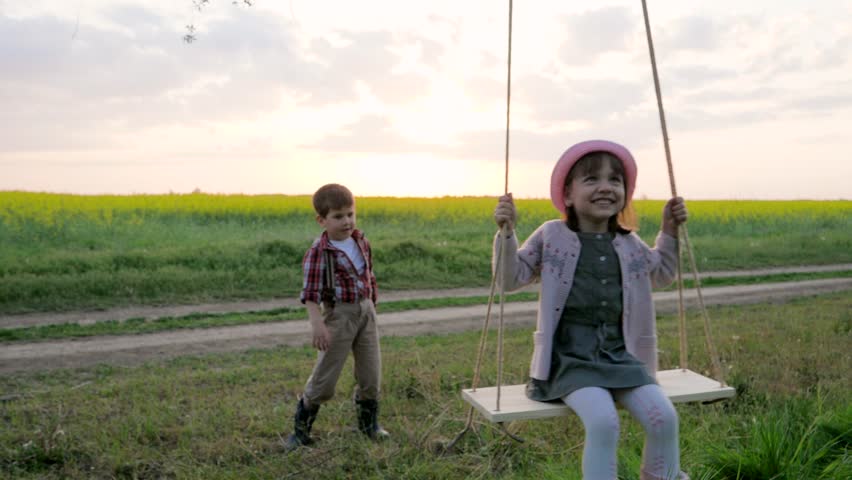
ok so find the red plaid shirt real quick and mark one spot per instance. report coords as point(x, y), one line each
point(349, 287)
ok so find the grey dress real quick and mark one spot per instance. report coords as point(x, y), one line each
point(588, 344)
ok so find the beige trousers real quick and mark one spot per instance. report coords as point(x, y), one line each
point(352, 327)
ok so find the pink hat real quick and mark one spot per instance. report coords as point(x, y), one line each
point(570, 157)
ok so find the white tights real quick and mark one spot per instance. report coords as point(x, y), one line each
point(650, 407)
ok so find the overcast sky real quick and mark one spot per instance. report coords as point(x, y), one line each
point(408, 98)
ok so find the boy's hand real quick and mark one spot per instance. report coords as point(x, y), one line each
point(321, 335)
point(505, 213)
point(322, 339)
point(674, 214)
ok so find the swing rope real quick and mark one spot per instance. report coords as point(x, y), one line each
point(504, 233)
point(505, 230)
point(498, 263)
point(711, 348)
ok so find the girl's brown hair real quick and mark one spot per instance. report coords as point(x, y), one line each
point(623, 222)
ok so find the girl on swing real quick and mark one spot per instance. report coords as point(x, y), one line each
point(595, 343)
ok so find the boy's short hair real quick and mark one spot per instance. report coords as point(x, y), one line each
point(332, 196)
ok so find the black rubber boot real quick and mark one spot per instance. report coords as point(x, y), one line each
point(368, 424)
point(302, 423)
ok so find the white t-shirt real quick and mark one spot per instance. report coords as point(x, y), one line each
point(350, 248)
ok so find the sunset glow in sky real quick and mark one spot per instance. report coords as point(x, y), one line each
point(408, 98)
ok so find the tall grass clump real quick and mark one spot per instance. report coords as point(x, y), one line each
point(792, 441)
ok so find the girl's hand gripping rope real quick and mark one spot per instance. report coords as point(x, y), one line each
point(674, 214)
point(504, 213)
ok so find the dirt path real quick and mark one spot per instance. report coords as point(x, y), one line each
point(89, 317)
point(136, 349)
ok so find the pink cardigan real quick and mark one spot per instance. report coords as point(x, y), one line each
point(550, 255)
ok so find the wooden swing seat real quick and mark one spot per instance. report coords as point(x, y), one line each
point(680, 386)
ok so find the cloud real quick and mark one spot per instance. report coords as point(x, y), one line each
point(696, 75)
point(546, 145)
point(693, 33)
point(835, 54)
point(590, 34)
point(818, 103)
point(107, 80)
point(485, 91)
point(371, 133)
point(724, 95)
point(693, 119)
point(128, 70)
point(578, 99)
point(366, 57)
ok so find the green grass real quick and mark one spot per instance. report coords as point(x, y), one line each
point(71, 252)
point(222, 416)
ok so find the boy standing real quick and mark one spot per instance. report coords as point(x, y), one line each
point(339, 293)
